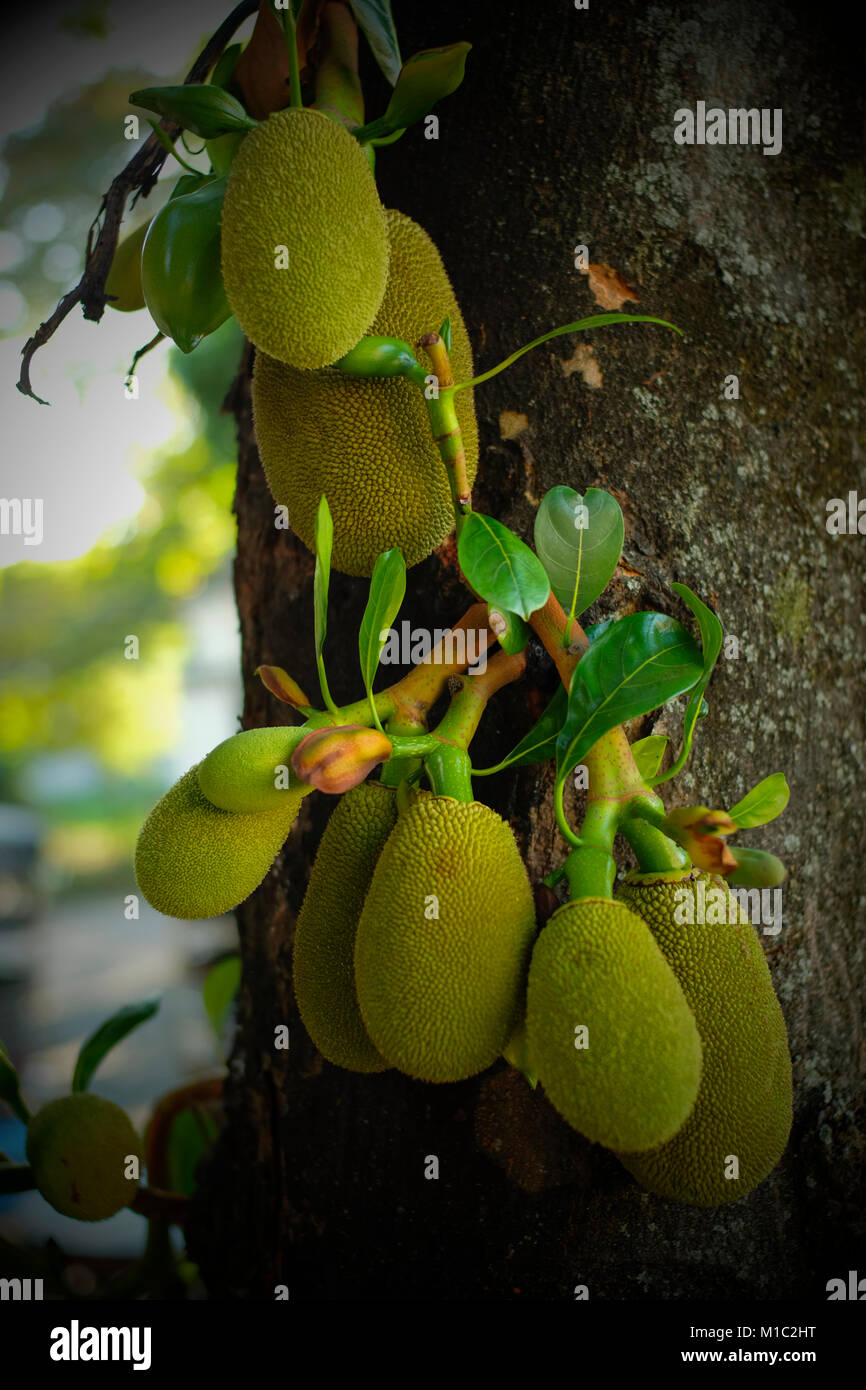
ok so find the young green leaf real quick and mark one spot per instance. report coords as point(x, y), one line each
point(648, 753)
point(204, 109)
point(222, 73)
point(500, 568)
point(218, 991)
point(711, 640)
point(10, 1088)
point(511, 632)
point(191, 1136)
point(539, 743)
point(424, 79)
point(387, 590)
point(579, 542)
point(321, 582)
point(107, 1036)
point(375, 20)
point(763, 803)
point(637, 665)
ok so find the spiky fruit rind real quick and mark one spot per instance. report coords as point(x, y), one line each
point(367, 444)
point(301, 182)
point(324, 953)
point(444, 940)
point(78, 1148)
point(251, 771)
point(744, 1103)
point(631, 1080)
point(194, 860)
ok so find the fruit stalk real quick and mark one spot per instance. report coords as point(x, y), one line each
point(447, 434)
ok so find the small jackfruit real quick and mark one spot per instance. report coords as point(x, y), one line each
point(610, 1033)
point(304, 242)
point(367, 443)
point(743, 1109)
point(251, 771)
point(194, 860)
point(444, 940)
point(123, 283)
point(324, 954)
point(78, 1148)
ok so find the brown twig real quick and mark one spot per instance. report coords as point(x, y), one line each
point(138, 177)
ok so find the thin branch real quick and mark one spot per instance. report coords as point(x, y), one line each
point(138, 177)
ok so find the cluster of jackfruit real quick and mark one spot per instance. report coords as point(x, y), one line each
point(414, 938)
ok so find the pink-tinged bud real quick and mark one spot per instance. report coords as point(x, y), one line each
point(335, 760)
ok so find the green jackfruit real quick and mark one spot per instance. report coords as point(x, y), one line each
point(324, 954)
point(304, 241)
point(444, 940)
point(630, 1080)
point(744, 1103)
point(78, 1148)
point(251, 771)
point(367, 444)
point(123, 283)
point(194, 860)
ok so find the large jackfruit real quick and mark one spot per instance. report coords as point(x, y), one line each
point(444, 940)
point(324, 955)
point(304, 241)
point(610, 1033)
point(194, 860)
point(367, 444)
point(78, 1147)
point(744, 1103)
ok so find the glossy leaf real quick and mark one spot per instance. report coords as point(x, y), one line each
point(648, 754)
point(711, 641)
point(218, 991)
point(579, 541)
point(637, 665)
point(203, 108)
point(107, 1036)
point(511, 632)
point(540, 743)
point(500, 568)
point(763, 803)
point(10, 1088)
point(376, 21)
point(424, 79)
point(321, 582)
point(387, 590)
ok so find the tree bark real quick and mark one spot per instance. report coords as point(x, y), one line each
point(563, 135)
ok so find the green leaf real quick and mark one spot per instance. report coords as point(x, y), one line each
point(203, 108)
point(711, 640)
point(579, 542)
point(224, 70)
point(648, 753)
point(107, 1036)
point(445, 333)
point(763, 803)
point(321, 581)
point(637, 665)
point(500, 568)
point(511, 632)
point(218, 991)
point(376, 21)
point(540, 743)
point(192, 1135)
point(424, 79)
point(387, 590)
point(10, 1087)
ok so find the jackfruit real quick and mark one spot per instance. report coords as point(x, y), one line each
point(194, 860)
point(367, 444)
point(743, 1109)
point(444, 940)
point(78, 1148)
point(304, 241)
point(251, 771)
point(123, 283)
point(610, 1033)
point(324, 954)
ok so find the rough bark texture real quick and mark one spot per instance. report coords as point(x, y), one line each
point(563, 134)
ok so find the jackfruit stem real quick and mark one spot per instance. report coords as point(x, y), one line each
point(449, 772)
point(590, 872)
point(445, 427)
point(296, 99)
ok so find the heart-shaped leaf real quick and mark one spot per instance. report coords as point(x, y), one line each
point(376, 21)
point(500, 568)
point(763, 803)
point(711, 640)
point(321, 583)
point(107, 1036)
point(10, 1089)
point(540, 743)
point(579, 542)
point(637, 665)
point(387, 590)
point(648, 753)
point(204, 109)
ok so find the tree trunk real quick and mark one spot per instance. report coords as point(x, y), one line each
point(563, 135)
